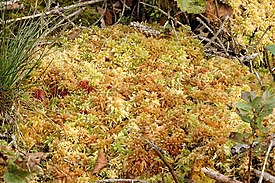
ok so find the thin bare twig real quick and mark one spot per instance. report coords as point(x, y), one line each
point(54, 11)
point(215, 36)
point(259, 78)
point(267, 63)
point(257, 43)
point(212, 32)
point(163, 12)
point(102, 15)
point(249, 163)
point(205, 25)
point(266, 176)
point(234, 49)
point(174, 29)
point(122, 13)
point(67, 18)
point(209, 40)
point(159, 153)
point(217, 9)
point(265, 161)
point(61, 21)
point(11, 5)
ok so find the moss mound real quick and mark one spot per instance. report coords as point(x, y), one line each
point(110, 89)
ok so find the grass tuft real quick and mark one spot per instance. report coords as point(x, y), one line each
point(19, 56)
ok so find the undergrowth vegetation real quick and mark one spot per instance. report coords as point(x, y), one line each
point(109, 89)
point(115, 103)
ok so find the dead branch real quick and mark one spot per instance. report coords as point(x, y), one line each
point(205, 25)
point(259, 78)
point(54, 11)
point(61, 21)
point(217, 9)
point(215, 36)
point(122, 180)
point(7, 3)
point(218, 176)
point(68, 19)
point(160, 154)
point(11, 5)
point(174, 29)
point(102, 14)
point(212, 32)
point(267, 63)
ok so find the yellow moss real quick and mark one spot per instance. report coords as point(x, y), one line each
point(249, 15)
point(119, 86)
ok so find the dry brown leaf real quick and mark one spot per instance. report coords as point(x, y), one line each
point(100, 163)
point(74, 34)
point(212, 7)
point(107, 20)
point(108, 17)
point(117, 5)
point(33, 160)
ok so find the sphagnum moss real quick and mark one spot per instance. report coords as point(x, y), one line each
point(177, 101)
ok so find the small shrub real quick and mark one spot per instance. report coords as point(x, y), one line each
point(253, 110)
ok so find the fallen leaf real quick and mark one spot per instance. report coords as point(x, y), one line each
point(217, 10)
point(34, 159)
point(117, 5)
point(100, 163)
point(74, 34)
point(108, 17)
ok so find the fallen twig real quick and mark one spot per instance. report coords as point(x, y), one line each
point(11, 5)
point(218, 176)
point(54, 11)
point(159, 153)
point(61, 21)
point(174, 29)
point(215, 36)
point(259, 78)
point(212, 32)
point(217, 9)
point(256, 44)
point(267, 63)
point(101, 14)
point(265, 161)
point(122, 12)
